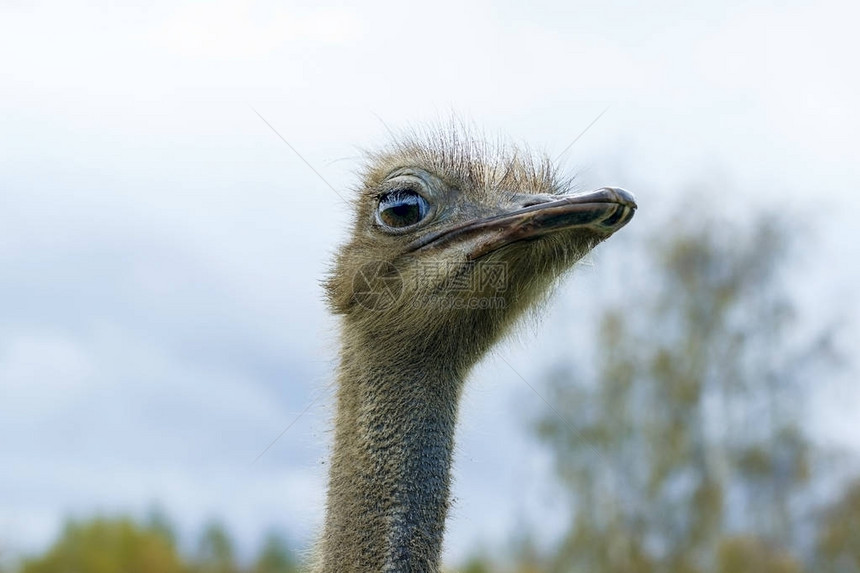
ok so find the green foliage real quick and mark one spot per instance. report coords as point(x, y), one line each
point(121, 545)
point(216, 551)
point(838, 544)
point(477, 565)
point(105, 545)
point(752, 555)
point(276, 557)
point(158, 521)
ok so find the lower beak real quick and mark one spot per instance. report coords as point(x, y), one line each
point(600, 213)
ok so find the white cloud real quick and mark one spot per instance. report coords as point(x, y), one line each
point(230, 30)
point(41, 370)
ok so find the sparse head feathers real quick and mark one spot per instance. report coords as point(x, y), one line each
point(465, 158)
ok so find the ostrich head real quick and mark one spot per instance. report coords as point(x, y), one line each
point(454, 239)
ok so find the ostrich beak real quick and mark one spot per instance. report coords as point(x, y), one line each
point(599, 213)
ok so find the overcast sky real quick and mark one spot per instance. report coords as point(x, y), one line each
point(161, 248)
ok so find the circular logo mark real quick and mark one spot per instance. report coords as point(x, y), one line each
point(377, 285)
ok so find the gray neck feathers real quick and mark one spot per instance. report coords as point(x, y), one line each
point(389, 475)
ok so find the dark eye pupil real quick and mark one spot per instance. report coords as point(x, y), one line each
point(402, 208)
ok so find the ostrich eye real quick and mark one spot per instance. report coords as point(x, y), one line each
point(401, 208)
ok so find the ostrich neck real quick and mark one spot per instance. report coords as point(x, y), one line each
point(389, 475)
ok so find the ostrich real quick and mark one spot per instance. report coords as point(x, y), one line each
point(452, 241)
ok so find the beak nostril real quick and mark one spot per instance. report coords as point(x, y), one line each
point(534, 200)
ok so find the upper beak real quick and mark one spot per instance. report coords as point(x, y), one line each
point(600, 212)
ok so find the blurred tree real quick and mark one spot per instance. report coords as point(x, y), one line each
point(689, 428)
point(108, 546)
point(119, 545)
point(477, 565)
point(838, 547)
point(157, 520)
point(276, 557)
point(215, 553)
point(520, 554)
point(751, 555)
point(525, 554)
